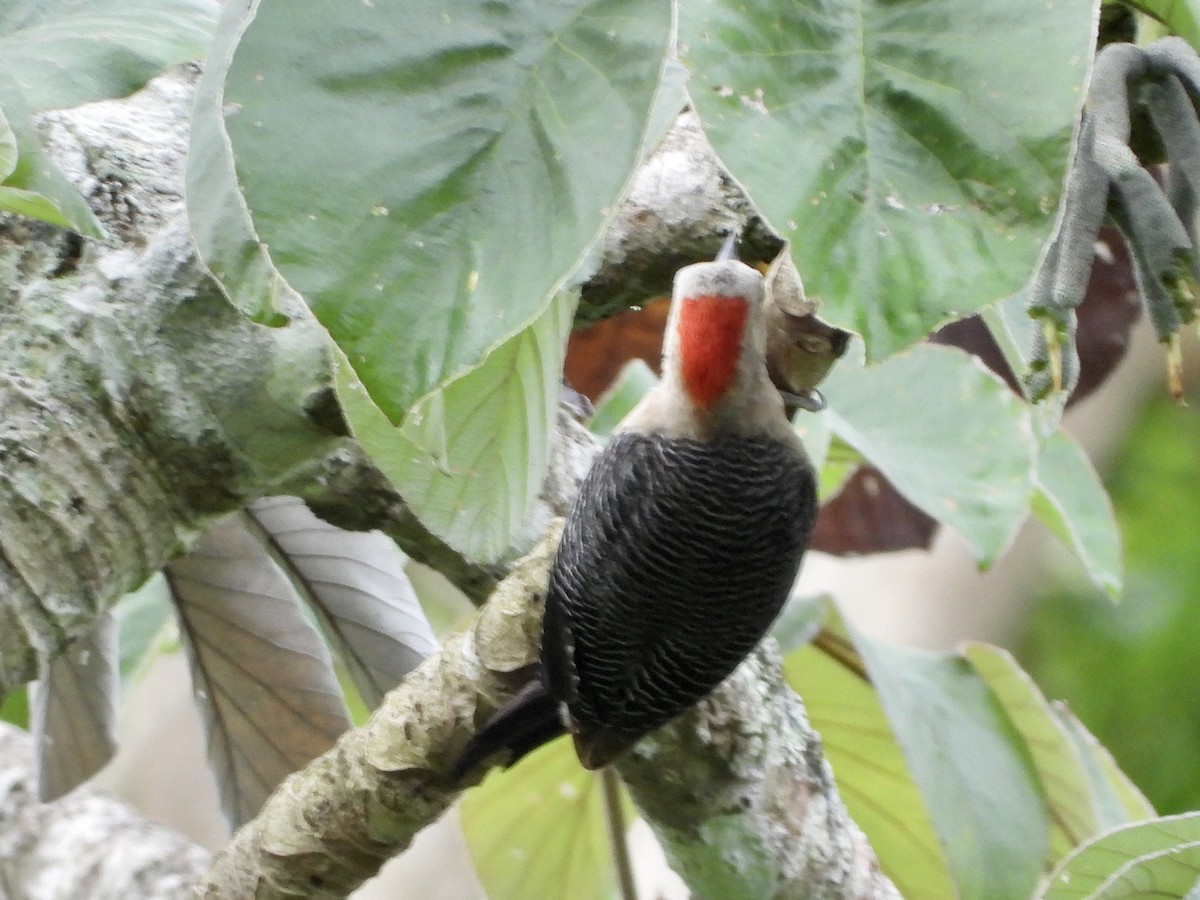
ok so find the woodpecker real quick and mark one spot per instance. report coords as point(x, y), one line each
point(683, 543)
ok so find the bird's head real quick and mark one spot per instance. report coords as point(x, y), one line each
point(716, 333)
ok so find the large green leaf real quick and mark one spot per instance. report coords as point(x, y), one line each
point(872, 775)
point(538, 830)
point(469, 460)
point(217, 213)
point(913, 152)
point(947, 433)
point(63, 53)
point(429, 175)
point(1072, 502)
point(972, 767)
point(1088, 870)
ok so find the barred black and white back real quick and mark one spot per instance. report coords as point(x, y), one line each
point(701, 543)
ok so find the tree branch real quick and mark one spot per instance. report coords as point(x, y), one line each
point(85, 845)
point(138, 404)
point(768, 822)
point(332, 825)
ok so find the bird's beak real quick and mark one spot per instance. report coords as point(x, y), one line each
point(729, 248)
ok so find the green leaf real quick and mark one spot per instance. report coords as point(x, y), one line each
point(1072, 502)
point(913, 152)
point(947, 433)
point(431, 191)
point(470, 460)
point(1181, 17)
point(972, 767)
point(35, 187)
point(1087, 871)
point(630, 385)
point(837, 460)
point(62, 53)
point(1172, 872)
point(1118, 799)
point(14, 708)
point(1060, 768)
point(538, 829)
point(816, 432)
point(217, 213)
point(145, 626)
point(8, 148)
point(801, 620)
point(872, 775)
point(1013, 330)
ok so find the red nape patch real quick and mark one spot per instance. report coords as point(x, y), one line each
point(710, 341)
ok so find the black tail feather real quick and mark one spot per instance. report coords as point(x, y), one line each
point(527, 721)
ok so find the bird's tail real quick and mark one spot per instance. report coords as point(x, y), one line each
point(520, 726)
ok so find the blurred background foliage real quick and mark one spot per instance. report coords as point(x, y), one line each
point(1128, 669)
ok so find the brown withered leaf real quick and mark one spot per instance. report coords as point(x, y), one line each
point(868, 515)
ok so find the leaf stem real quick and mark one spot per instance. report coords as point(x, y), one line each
point(615, 817)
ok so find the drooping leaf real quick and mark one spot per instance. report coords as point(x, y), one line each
point(538, 829)
point(62, 53)
point(862, 513)
point(34, 186)
point(263, 679)
point(974, 771)
point(872, 775)
point(1086, 872)
point(469, 461)
point(73, 711)
point(1069, 796)
point(1072, 502)
point(429, 176)
point(947, 434)
point(217, 213)
point(355, 583)
point(914, 152)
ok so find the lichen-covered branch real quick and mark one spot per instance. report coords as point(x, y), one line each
point(138, 404)
point(85, 845)
point(738, 789)
point(746, 805)
point(332, 825)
